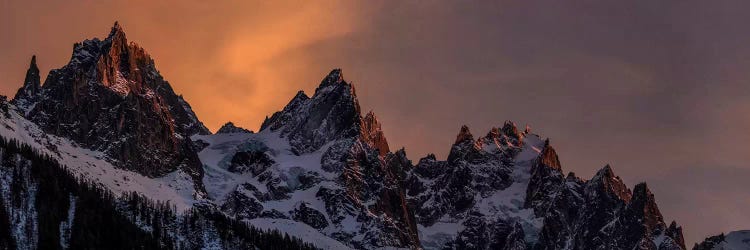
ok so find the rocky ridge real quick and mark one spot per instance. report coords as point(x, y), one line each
point(356, 196)
point(322, 169)
point(229, 128)
point(111, 98)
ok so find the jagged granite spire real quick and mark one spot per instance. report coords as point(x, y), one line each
point(119, 68)
point(606, 183)
point(332, 113)
point(674, 231)
point(288, 115)
point(111, 98)
point(116, 31)
point(27, 96)
point(464, 135)
point(643, 205)
point(465, 147)
point(354, 147)
point(510, 130)
point(336, 76)
point(546, 178)
point(548, 157)
point(373, 134)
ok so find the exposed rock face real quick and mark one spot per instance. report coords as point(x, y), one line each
point(546, 178)
point(28, 94)
point(250, 161)
point(511, 183)
point(466, 193)
point(310, 216)
point(229, 128)
point(464, 147)
point(373, 135)
point(359, 184)
point(332, 113)
point(111, 98)
point(600, 213)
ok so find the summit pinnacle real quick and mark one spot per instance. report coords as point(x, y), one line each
point(28, 94)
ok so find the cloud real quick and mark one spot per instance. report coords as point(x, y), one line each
point(657, 89)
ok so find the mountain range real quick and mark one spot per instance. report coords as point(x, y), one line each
point(318, 174)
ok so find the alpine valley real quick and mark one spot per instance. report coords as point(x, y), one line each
point(105, 155)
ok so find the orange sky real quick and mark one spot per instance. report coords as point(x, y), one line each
point(659, 90)
point(235, 62)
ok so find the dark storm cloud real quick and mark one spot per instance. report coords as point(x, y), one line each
point(658, 89)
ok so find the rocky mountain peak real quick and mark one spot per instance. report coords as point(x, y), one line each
point(373, 134)
point(465, 147)
point(464, 135)
point(111, 98)
point(588, 210)
point(606, 181)
point(229, 128)
point(299, 98)
point(642, 221)
point(546, 178)
point(644, 204)
point(548, 157)
point(122, 66)
point(332, 113)
point(510, 130)
point(117, 33)
point(336, 76)
point(494, 133)
point(503, 137)
point(675, 232)
point(354, 147)
point(28, 94)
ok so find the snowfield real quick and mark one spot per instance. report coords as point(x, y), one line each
point(737, 240)
point(220, 182)
point(176, 188)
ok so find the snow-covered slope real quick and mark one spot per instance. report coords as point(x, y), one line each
point(226, 186)
point(736, 240)
point(318, 166)
point(217, 157)
point(176, 187)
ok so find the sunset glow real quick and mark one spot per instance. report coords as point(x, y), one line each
point(659, 90)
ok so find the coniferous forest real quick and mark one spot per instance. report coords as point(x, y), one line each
point(44, 206)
